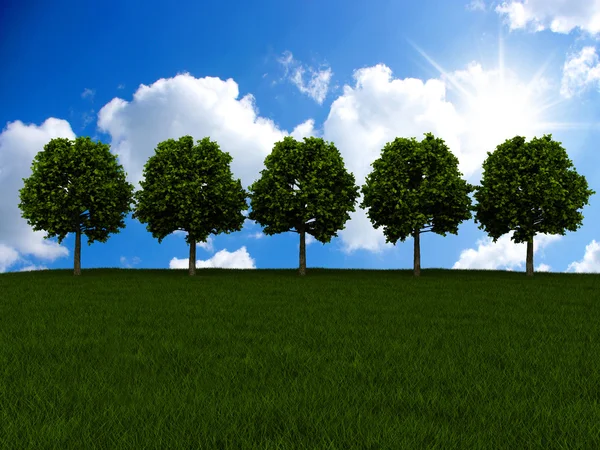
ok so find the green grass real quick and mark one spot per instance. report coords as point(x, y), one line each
point(339, 359)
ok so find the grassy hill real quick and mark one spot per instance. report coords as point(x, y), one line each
point(266, 359)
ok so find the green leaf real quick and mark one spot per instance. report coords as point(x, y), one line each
point(190, 187)
point(416, 187)
point(303, 182)
point(530, 188)
point(69, 177)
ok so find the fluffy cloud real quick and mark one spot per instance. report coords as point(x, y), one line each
point(318, 80)
point(372, 112)
point(8, 257)
point(19, 143)
point(581, 70)
point(590, 261)
point(174, 107)
point(208, 245)
point(171, 108)
point(559, 16)
point(306, 129)
point(239, 259)
point(379, 108)
point(543, 268)
point(504, 254)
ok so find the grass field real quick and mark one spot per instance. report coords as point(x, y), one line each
point(339, 359)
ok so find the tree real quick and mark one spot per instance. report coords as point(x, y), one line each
point(76, 187)
point(191, 188)
point(304, 188)
point(530, 188)
point(415, 187)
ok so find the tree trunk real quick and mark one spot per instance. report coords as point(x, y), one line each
point(77, 262)
point(192, 260)
point(302, 269)
point(529, 263)
point(417, 255)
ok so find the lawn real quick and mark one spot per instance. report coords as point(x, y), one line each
point(339, 359)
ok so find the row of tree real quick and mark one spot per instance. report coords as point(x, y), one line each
point(414, 187)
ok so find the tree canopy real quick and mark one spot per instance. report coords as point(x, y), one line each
point(76, 187)
point(529, 188)
point(415, 187)
point(304, 188)
point(190, 188)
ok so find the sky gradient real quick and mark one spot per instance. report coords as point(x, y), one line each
point(358, 74)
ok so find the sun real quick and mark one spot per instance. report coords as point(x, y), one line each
point(499, 110)
point(496, 105)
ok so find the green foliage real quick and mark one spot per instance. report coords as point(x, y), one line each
point(416, 186)
point(191, 188)
point(76, 185)
point(530, 188)
point(304, 187)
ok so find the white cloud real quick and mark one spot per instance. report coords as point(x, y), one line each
point(305, 129)
point(207, 245)
point(375, 111)
point(543, 268)
point(517, 16)
point(590, 262)
point(200, 107)
point(501, 107)
point(559, 16)
point(88, 93)
point(32, 267)
point(19, 143)
point(257, 235)
point(239, 259)
point(580, 71)
point(379, 108)
point(318, 80)
point(171, 108)
point(8, 257)
point(476, 5)
point(504, 254)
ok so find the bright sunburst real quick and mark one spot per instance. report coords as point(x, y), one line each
point(496, 105)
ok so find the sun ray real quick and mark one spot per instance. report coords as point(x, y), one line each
point(543, 107)
point(538, 75)
point(511, 105)
point(452, 80)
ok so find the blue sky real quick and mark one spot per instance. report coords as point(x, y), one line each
point(248, 73)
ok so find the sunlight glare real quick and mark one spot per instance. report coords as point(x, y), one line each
point(497, 106)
